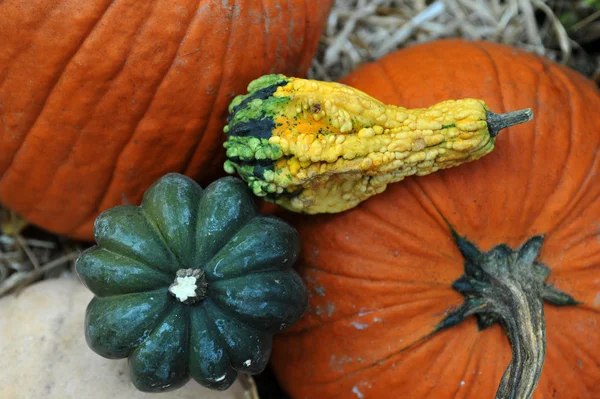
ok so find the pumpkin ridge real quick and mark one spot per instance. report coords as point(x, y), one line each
point(350, 254)
point(412, 346)
point(303, 35)
point(190, 159)
point(528, 172)
point(403, 231)
point(387, 75)
point(346, 317)
point(55, 82)
point(562, 341)
point(560, 353)
point(436, 216)
point(571, 108)
point(98, 101)
point(27, 45)
point(583, 186)
point(157, 85)
point(328, 272)
point(498, 80)
point(468, 370)
point(496, 72)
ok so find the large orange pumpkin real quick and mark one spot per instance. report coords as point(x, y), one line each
point(99, 98)
point(382, 275)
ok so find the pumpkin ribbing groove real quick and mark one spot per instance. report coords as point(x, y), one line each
point(559, 180)
point(578, 196)
point(383, 69)
point(579, 241)
point(468, 369)
point(305, 29)
point(53, 85)
point(408, 232)
point(574, 378)
point(537, 210)
point(349, 316)
point(532, 168)
point(442, 368)
point(438, 217)
point(372, 279)
point(412, 346)
point(194, 148)
point(589, 176)
point(189, 161)
point(508, 155)
point(79, 137)
point(96, 207)
point(28, 43)
point(290, 35)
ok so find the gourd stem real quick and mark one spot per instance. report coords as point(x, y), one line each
point(497, 122)
point(508, 286)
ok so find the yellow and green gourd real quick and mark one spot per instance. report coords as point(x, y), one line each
point(323, 147)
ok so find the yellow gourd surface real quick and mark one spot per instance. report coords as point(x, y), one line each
point(323, 147)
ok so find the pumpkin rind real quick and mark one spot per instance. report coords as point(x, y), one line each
point(380, 276)
point(245, 259)
point(101, 98)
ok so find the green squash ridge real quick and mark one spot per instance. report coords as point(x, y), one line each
point(213, 332)
point(169, 308)
point(183, 378)
point(247, 201)
point(139, 339)
point(210, 325)
point(212, 277)
point(143, 264)
point(234, 319)
point(161, 236)
point(116, 216)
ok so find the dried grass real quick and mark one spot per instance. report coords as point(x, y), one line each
point(28, 255)
point(359, 31)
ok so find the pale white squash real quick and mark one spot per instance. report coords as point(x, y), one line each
point(44, 353)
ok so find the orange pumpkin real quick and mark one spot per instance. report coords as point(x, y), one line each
point(100, 98)
point(385, 277)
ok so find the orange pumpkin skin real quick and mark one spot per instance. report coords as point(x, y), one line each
point(100, 98)
point(380, 274)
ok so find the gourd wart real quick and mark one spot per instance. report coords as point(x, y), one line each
point(323, 147)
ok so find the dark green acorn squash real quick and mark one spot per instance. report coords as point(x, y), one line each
point(191, 283)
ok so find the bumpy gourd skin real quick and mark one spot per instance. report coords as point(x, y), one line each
point(322, 147)
point(248, 293)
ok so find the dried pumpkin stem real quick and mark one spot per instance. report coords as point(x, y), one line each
point(497, 122)
point(508, 287)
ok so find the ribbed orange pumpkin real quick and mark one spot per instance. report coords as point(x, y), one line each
point(99, 98)
point(381, 275)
